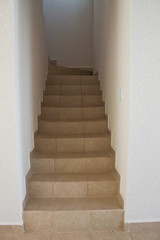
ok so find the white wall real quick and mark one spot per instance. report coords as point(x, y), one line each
point(69, 26)
point(111, 59)
point(22, 73)
point(143, 202)
point(127, 55)
point(10, 210)
point(31, 60)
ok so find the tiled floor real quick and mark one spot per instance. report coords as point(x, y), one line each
point(147, 235)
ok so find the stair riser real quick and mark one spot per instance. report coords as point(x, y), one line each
point(90, 165)
point(51, 128)
point(72, 113)
point(72, 82)
point(72, 221)
point(51, 145)
point(72, 90)
point(64, 71)
point(73, 189)
point(76, 78)
point(72, 101)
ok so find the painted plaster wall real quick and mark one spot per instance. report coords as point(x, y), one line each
point(112, 60)
point(10, 207)
point(69, 26)
point(144, 151)
point(23, 73)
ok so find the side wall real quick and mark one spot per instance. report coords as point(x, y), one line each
point(69, 26)
point(144, 151)
point(112, 60)
point(10, 207)
point(23, 70)
point(31, 71)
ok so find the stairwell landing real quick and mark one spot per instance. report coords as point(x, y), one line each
point(74, 187)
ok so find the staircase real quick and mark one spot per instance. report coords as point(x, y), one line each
point(74, 187)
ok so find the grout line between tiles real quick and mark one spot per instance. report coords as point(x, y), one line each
point(90, 228)
point(53, 189)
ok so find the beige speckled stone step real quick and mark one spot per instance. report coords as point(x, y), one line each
point(73, 185)
point(58, 70)
point(100, 162)
point(72, 113)
point(71, 215)
point(73, 89)
point(72, 143)
point(72, 101)
point(78, 78)
point(73, 127)
point(72, 80)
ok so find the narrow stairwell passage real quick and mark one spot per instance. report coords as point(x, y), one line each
point(74, 186)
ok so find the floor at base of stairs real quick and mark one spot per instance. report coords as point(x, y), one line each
point(145, 235)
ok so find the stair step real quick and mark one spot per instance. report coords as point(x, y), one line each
point(60, 79)
point(72, 101)
point(72, 89)
point(71, 215)
point(74, 187)
point(72, 143)
point(72, 127)
point(72, 204)
point(71, 82)
point(65, 185)
point(58, 70)
point(73, 113)
point(100, 162)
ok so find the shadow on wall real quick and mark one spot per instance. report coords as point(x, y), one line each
point(32, 61)
point(112, 59)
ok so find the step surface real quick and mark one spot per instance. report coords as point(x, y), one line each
point(72, 204)
point(73, 113)
point(63, 185)
point(81, 177)
point(73, 215)
point(73, 90)
point(71, 155)
point(73, 101)
point(72, 127)
point(74, 188)
point(73, 143)
point(57, 70)
point(72, 162)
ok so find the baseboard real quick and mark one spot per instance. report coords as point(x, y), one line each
point(11, 229)
point(29, 174)
point(28, 177)
point(119, 196)
point(144, 226)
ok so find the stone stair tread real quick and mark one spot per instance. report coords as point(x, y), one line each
point(74, 107)
point(73, 168)
point(72, 155)
point(71, 75)
point(72, 95)
point(44, 104)
point(51, 83)
point(80, 95)
point(74, 120)
point(73, 85)
point(74, 177)
point(59, 70)
point(73, 204)
point(74, 136)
